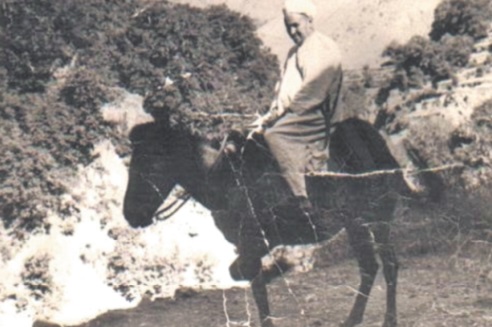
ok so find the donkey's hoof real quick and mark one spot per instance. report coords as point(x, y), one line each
point(268, 322)
point(390, 321)
point(350, 322)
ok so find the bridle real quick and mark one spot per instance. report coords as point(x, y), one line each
point(183, 196)
point(171, 209)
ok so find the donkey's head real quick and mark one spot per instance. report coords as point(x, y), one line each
point(151, 175)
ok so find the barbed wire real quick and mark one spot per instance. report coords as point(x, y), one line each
point(222, 114)
point(405, 171)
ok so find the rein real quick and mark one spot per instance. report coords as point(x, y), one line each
point(173, 207)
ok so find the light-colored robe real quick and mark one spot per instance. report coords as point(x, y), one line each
point(306, 99)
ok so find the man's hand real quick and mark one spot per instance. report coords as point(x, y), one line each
point(258, 126)
point(262, 122)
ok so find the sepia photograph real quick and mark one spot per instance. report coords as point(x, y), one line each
point(245, 163)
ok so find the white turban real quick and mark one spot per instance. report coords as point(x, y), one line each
point(305, 7)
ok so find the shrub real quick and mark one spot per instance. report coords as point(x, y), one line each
point(457, 23)
point(418, 57)
point(421, 60)
point(35, 276)
point(31, 46)
point(214, 61)
point(456, 50)
point(462, 17)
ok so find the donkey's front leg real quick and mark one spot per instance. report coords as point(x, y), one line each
point(249, 268)
point(362, 243)
point(260, 295)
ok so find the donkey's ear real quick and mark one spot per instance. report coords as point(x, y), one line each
point(142, 132)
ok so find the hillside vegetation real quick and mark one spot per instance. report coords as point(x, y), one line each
point(62, 165)
point(64, 59)
point(429, 93)
point(434, 103)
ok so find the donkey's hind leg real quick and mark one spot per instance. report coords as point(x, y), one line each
point(362, 243)
point(390, 269)
point(258, 286)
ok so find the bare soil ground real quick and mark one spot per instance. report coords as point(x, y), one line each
point(435, 290)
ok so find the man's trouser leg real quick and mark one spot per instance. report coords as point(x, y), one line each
point(292, 158)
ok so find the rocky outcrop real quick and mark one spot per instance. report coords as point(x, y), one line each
point(440, 130)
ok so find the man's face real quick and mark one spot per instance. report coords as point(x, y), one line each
point(298, 26)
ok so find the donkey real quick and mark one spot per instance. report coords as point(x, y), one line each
point(242, 187)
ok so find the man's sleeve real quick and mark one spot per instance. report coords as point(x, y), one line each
point(276, 109)
point(320, 68)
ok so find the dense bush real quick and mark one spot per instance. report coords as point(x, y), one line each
point(30, 57)
point(457, 23)
point(211, 60)
point(421, 60)
point(462, 17)
point(43, 141)
point(61, 60)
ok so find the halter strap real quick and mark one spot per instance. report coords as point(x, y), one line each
point(164, 214)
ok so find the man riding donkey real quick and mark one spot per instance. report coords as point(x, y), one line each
point(296, 128)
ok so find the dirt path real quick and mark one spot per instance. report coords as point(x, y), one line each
point(433, 291)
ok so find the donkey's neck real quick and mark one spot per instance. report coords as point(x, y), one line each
point(208, 156)
point(198, 180)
